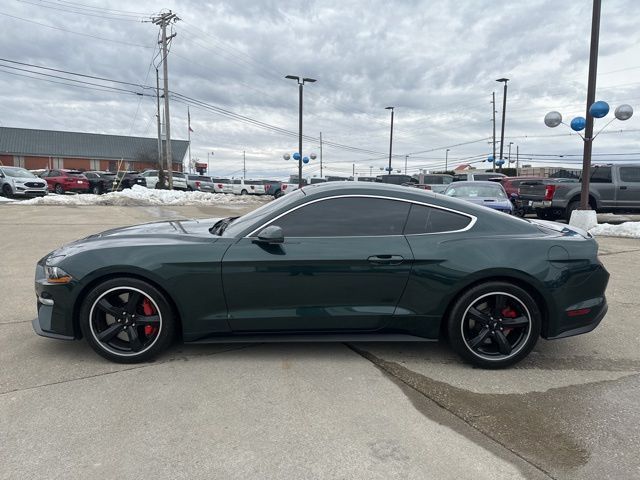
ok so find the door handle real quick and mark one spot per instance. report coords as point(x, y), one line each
point(386, 259)
point(623, 187)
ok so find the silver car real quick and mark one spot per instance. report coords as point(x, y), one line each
point(200, 183)
point(16, 181)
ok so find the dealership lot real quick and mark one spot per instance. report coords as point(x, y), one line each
point(570, 410)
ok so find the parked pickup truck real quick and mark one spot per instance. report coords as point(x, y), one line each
point(613, 188)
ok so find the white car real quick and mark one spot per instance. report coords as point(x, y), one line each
point(222, 185)
point(179, 179)
point(241, 186)
point(18, 181)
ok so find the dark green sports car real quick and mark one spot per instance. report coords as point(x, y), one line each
point(337, 261)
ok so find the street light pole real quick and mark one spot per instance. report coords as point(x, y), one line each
point(390, 137)
point(301, 82)
point(504, 111)
point(509, 154)
point(406, 157)
point(493, 110)
point(446, 160)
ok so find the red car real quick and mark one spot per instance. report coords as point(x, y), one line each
point(511, 184)
point(61, 180)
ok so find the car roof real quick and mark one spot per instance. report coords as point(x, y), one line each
point(475, 183)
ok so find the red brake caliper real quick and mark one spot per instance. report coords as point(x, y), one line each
point(148, 310)
point(508, 312)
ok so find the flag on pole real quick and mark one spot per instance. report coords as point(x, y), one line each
point(189, 119)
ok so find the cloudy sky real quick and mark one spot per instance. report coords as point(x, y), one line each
point(435, 61)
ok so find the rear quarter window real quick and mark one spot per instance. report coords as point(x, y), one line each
point(630, 174)
point(423, 219)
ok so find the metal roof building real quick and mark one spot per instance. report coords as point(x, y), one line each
point(35, 149)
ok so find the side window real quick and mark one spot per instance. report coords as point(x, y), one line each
point(424, 219)
point(601, 175)
point(630, 174)
point(55, 173)
point(343, 217)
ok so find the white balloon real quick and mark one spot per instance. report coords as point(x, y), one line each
point(623, 112)
point(552, 119)
point(313, 156)
point(286, 156)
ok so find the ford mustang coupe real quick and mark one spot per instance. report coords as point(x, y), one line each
point(330, 262)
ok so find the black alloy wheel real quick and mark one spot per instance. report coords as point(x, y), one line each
point(127, 320)
point(6, 191)
point(244, 192)
point(97, 189)
point(59, 190)
point(494, 325)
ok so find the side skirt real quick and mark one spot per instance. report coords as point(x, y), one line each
point(313, 337)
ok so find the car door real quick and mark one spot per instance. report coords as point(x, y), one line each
point(628, 188)
point(343, 265)
point(602, 183)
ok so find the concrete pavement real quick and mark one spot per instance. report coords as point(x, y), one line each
point(570, 410)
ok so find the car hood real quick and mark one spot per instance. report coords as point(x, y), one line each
point(156, 233)
point(26, 179)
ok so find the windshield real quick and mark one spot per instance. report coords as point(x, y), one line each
point(263, 212)
point(18, 173)
point(470, 191)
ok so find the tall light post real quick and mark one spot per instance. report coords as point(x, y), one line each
point(208, 168)
point(504, 112)
point(446, 160)
point(389, 169)
point(301, 82)
point(509, 154)
point(406, 157)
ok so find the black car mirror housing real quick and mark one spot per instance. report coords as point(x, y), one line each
point(271, 234)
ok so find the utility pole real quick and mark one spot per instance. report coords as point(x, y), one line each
point(517, 160)
point(244, 165)
point(370, 170)
point(446, 160)
point(353, 169)
point(390, 137)
point(161, 178)
point(504, 111)
point(162, 20)
point(591, 97)
point(406, 157)
point(493, 109)
point(320, 154)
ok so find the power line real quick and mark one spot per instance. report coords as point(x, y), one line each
point(60, 8)
point(76, 33)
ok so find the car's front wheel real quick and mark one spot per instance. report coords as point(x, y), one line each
point(494, 325)
point(6, 191)
point(97, 190)
point(127, 320)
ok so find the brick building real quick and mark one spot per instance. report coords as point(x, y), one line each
point(41, 149)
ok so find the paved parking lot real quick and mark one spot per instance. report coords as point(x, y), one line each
point(571, 410)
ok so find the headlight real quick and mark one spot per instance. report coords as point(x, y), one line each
point(56, 275)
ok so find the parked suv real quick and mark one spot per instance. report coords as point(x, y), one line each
point(62, 180)
point(18, 181)
point(222, 185)
point(100, 182)
point(152, 180)
point(126, 179)
point(200, 183)
point(247, 187)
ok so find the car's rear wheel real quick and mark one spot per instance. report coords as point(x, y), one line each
point(58, 189)
point(244, 192)
point(494, 325)
point(6, 191)
point(127, 320)
point(97, 190)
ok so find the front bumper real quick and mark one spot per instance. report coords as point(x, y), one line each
point(55, 306)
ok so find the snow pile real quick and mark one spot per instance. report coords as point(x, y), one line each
point(626, 229)
point(142, 196)
point(5, 199)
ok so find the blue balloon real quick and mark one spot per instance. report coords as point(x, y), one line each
point(578, 124)
point(305, 160)
point(500, 162)
point(296, 156)
point(599, 109)
point(490, 158)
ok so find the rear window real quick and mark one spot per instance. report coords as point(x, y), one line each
point(423, 219)
point(486, 176)
point(179, 175)
point(220, 180)
point(253, 182)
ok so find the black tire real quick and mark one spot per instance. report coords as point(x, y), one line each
point(278, 194)
point(106, 312)
point(189, 189)
point(490, 340)
point(96, 190)
point(570, 208)
point(244, 192)
point(58, 189)
point(6, 191)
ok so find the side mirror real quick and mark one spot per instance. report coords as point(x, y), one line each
point(271, 235)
